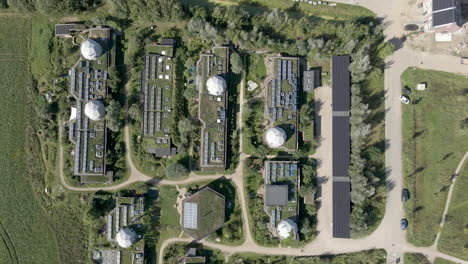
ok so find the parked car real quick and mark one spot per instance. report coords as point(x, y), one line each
point(404, 99)
point(405, 195)
point(464, 60)
point(411, 27)
point(406, 90)
point(403, 224)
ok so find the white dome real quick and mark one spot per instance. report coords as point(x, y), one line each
point(275, 137)
point(91, 50)
point(95, 110)
point(285, 227)
point(216, 85)
point(126, 237)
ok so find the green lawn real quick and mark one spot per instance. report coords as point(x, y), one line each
point(433, 144)
point(25, 228)
point(443, 261)
point(415, 258)
point(454, 237)
point(169, 217)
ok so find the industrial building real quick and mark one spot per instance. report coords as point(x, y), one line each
point(341, 102)
point(212, 77)
point(157, 84)
point(87, 126)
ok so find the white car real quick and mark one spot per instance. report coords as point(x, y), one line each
point(404, 99)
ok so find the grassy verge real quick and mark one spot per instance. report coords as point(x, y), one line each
point(433, 144)
point(415, 258)
point(376, 256)
point(338, 12)
point(169, 217)
point(443, 261)
point(454, 237)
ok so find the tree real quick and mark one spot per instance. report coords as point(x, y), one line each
point(186, 126)
point(113, 116)
point(236, 63)
point(176, 171)
point(134, 112)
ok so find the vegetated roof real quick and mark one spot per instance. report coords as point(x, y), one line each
point(91, 49)
point(275, 137)
point(341, 83)
point(276, 195)
point(194, 260)
point(206, 207)
point(443, 4)
point(446, 17)
point(167, 41)
point(64, 29)
point(341, 209)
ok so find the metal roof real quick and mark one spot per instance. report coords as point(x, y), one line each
point(276, 195)
point(341, 145)
point(341, 209)
point(190, 215)
point(341, 83)
point(443, 4)
point(446, 17)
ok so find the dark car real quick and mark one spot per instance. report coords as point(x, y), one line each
point(403, 224)
point(405, 195)
point(406, 90)
point(411, 27)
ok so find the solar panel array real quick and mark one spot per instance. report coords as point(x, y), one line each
point(190, 220)
point(341, 146)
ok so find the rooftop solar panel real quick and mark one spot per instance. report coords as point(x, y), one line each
point(190, 215)
point(341, 209)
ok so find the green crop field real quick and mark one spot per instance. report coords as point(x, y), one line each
point(434, 141)
point(454, 237)
point(26, 234)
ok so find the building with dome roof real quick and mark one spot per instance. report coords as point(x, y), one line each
point(275, 137)
point(95, 110)
point(126, 237)
point(286, 228)
point(211, 81)
point(87, 127)
point(216, 85)
point(91, 49)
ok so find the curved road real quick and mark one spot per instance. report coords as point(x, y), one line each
point(388, 235)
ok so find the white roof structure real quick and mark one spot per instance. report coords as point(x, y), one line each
point(126, 237)
point(285, 228)
point(73, 113)
point(95, 110)
point(91, 50)
point(275, 137)
point(216, 85)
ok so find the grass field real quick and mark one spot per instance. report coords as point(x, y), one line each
point(433, 144)
point(454, 237)
point(25, 228)
point(443, 261)
point(415, 258)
